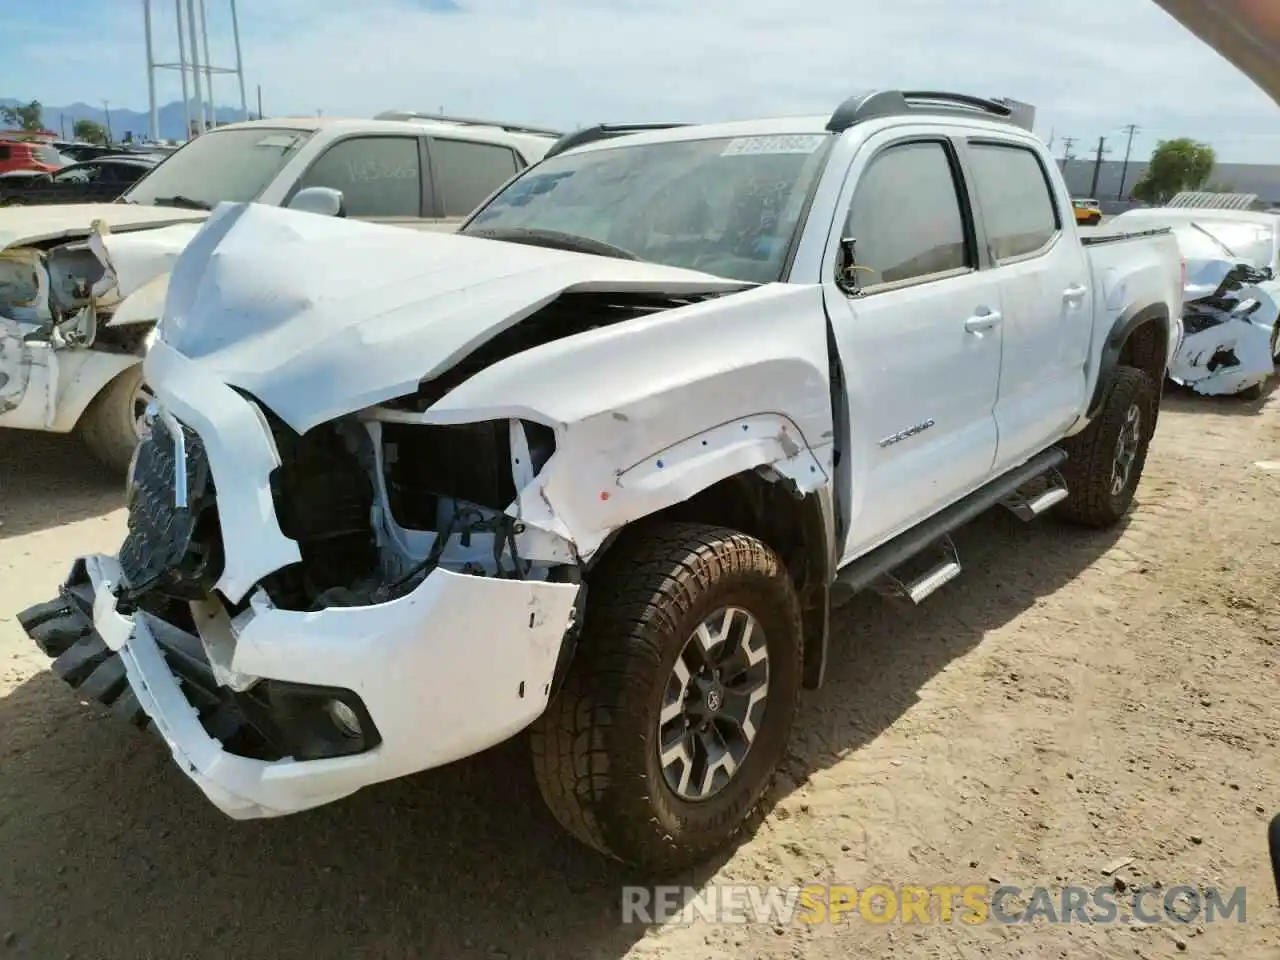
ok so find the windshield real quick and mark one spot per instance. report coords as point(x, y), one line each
point(724, 206)
point(1248, 241)
point(221, 165)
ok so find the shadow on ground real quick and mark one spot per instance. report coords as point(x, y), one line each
point(110, 853)
point(48, 480)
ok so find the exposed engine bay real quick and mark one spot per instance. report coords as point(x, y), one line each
point(378, 499)
point(1230, 340)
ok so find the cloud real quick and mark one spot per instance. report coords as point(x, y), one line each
point(1089, 67)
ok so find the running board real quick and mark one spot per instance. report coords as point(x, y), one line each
point(887, 557)
point(928, 578)
point(1041, 494)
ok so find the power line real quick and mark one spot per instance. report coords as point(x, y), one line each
point(1131, 129)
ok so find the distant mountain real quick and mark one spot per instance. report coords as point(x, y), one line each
point(137, 122)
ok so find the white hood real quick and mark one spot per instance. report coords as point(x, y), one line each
point(318, 317)
point(33, 224)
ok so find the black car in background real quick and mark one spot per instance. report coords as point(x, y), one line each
point(93, 181)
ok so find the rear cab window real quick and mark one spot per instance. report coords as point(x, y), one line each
point(1014, 194)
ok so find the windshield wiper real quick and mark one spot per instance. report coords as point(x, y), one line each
point(181, 201)
point(554, 239)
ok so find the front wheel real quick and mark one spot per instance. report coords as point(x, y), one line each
point(677, 708)
point(112, 426)
point(1105, 461)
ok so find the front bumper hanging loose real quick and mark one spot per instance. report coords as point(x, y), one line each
point(456, 666)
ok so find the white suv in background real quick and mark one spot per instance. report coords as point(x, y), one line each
point(81, 286)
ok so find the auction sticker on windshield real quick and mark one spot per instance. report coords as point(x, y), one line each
point(777, 143)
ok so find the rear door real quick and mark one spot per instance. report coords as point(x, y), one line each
point(1045, 287)
point(917, 327)
point(465, 173)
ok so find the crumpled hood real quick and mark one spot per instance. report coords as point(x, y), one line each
point(34, 224)
point(318, 317)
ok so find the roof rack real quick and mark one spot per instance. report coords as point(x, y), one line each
point(874, 104)
point(467, 121)
point(604, 131)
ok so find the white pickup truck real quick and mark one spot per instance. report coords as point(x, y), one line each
point(600, 464)
point(81, 285)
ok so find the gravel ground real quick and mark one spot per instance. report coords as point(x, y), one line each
point(1074, 700)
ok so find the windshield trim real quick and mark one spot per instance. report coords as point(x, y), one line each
point(306, 136)
point(787, 261)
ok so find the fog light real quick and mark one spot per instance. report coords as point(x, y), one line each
point(345, 719)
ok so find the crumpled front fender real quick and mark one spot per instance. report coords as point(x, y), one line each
point(652, 411)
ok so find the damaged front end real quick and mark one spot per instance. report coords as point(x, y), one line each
point(326, 582)
point(416, 623)
point(1230, 342)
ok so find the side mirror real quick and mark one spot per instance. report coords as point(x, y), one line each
point(322, 200)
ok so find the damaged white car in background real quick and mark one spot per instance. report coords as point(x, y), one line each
point(76, 308)
point(1231, 338)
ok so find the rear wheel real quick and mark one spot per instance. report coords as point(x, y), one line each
point(1106, 460)
point(112, 426)
point(676, 711)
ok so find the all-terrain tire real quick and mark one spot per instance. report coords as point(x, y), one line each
point(1091, 501)
point(109, 427)
point(595, 749)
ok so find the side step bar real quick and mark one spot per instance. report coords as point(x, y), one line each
point(1029, 504)
point(886, 558)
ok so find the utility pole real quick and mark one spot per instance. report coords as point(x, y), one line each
point(235, 35)
point(1097, 166)
point(1067, 144)
point(259, 101)
point(208, 68)
point(1131, 129)
point(182, 69)
point(153, 115)
point(193, 28)
point(106, 108)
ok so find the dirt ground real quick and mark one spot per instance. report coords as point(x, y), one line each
point(1074, 700)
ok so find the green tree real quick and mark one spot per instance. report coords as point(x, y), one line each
point(27, 117)
point(1176, 165)
point(90, 131)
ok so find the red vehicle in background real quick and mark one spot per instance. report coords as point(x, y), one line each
point(29, 150)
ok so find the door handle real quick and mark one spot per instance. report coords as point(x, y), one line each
point(982, 321)
point(1074, 293)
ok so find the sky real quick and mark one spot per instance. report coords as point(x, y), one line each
point(1089, 66)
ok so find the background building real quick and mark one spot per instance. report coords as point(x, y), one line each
point(1024, 114)
point(1262, 179)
